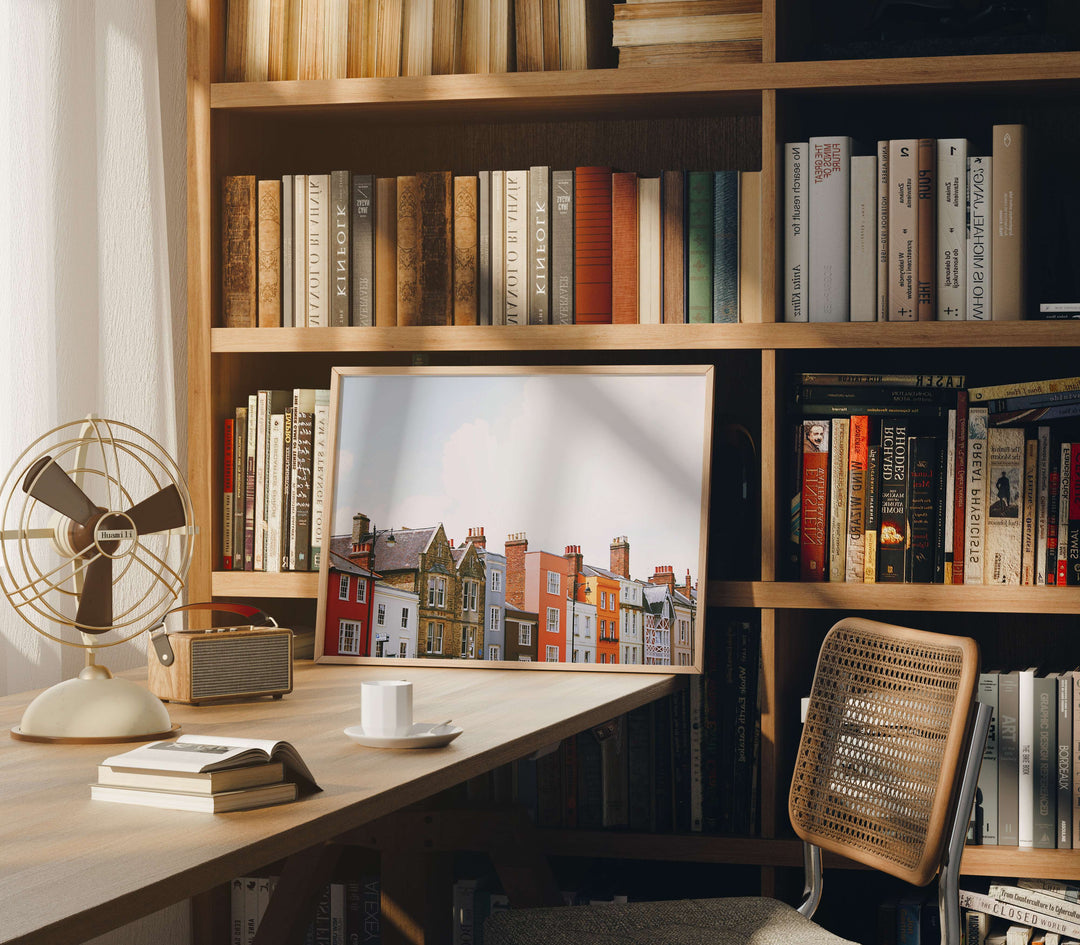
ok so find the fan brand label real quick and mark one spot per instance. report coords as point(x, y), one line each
point(117, 534)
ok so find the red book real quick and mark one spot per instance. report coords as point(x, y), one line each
point(814, 532)
point(1072, 553)
point(959, 535)
point(227, 505)
point(926, 264)
point(624, 248)
point(592, 245)
point(1052, 506)
point(1064, 514)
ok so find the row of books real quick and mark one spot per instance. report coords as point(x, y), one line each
point(274, 481)
point(516, 247)
point(659, 33)
point(1025, 911)
point(922, 229)
point(894, 480)
point(338, 39)
point(685, 763)
point(473, 899)
point(1029, 784)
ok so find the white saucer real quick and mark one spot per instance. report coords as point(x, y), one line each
point(422, 735)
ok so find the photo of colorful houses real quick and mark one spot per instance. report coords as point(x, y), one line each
point(496, 520)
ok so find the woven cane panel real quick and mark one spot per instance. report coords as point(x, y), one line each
point(874, 774)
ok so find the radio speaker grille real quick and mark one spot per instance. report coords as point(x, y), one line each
point(244, 666)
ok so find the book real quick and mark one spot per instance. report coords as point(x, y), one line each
point(976, 500)
point(948, 487)
point(385, 251)
point(498, 247)
point(1065, 477)
point(318, 251)
point(796, 245)
point(624, 248)
point(750, 247)
point(240, 453)
point(539, 243)
point(829, 199)
point(881, 219)
point(960, 452)
point(682, 54)
point(672, 184)
point(300, 254)
point(408, 250)
point(434, 248)
point(921, 509)
point(562, 247)
point(465, 262)
point(1038, 900)
point(1042, 502)
point(274, 494)
point(858, 453)
point(1027, 512)
point(925, 268)
point(417, 37)
point(1008, 234)
point(243, 799)
point(650, 287)
point(1025, 736)
point(1063, 761)
point(977, 238)
point(515, 256)
point(250, 476)
point(956, 381)
point(903, 228)
point(483, 248)
point(1044, 763)
point(198, 782)
point(1069, 891)
point(725, 244)
point(269, 254)
point(288, 252)
point(1008, 734)
point(300, 478)
point(1005, 453)
point(951, 196)
point(338, 249)
point(863, 241)
point(227, 502)
point(870, 543)
point(319, 462)
point(239, 271)
point(592, 245)
point(362, 262)
point(1016, 913)
point(699, 246)
point(892, 503)
point(631, 30)
point(987, 791)
point(838, 496)
point(814, 520)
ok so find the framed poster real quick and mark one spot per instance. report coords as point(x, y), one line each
point(539, 517)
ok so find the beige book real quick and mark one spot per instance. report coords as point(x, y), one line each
point(193, 782)
point(385, 251)
point(648, 31)
point(262, 796)
point(280, 39)
point(318, 250)
point(312, 37)
point(649, 251)
point(501, 45)
point(336, 39)
point(269, 254)
point(236, 40)
point(417, 43)
point(257, 41)
point(388, 39)
point(473, 54)
point(750, 246)
point(446, 37)
point(573, 49)
point(669, 54)
point(300, 256)
point(903, 228)
point(1008, 262)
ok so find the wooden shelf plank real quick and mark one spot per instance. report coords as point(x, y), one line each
point(770, 336)
point(295, 584)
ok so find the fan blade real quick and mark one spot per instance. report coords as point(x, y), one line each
point(159, 513)
point(95, 605)
point(48, 483)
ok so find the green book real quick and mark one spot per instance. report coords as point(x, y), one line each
point(699, 246)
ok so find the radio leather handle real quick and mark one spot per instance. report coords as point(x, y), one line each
point(160, 639)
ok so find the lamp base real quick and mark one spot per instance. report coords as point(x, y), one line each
point(94, 707)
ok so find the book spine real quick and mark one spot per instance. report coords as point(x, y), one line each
point(858, 445)
point(1070, 892)
point(1016, 913)
point(300, 254)
point(956, 381)
point(227, 503)
point(977, 238)
point(287, 492)
point(650, 289)
point(1007, 230)
point(1025, 729)
point(873, 506)
point(1037, 901)
point(408, 250)
point(697, 695)
point(302, 486)
point(624, 248)
point(951, 249)
point(863, 239)
point(269, 254)
point(1073, 541)
point(539, 245)
point(921, 504)
point(959, 532)
point(699, 248)
point(814, 519)
point(794, 483)
point(498, 247)
point(975, 513)
point(288, 276)
point(848, 394)
point(483, 248)
point(988, 772)
point(250, 477)
point(1063, 764)
point(239, 486)
point(516, 265)
point(892, 517)
point(725, 265)
point(318, 249)
point(1042, 502)
point(1028, 507)
point(262, 447)
point(749, 249)
point(748, 648)
point(562, 247)
point(948, 487)
point(1064, 501)
point(239, 274)
point(925, 269)
point(435, 247)
point(275, 459)
point(1004, 529)
point(882, 231)
point(466, 307)
point(592, 245)
point(385, 251)
point(319, 461)
point(1044, 763)
point(1074, 758)
point(829, 197)
point(795, 232)
point(673, 209)
point(838, 492)
point(1053, 507)
point(903, 228)
point(363, 246)
point(1008, 759)
point(339, 249)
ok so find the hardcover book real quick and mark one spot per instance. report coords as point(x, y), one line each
point(362, 264)
point(269, 315)
point(858, 450)
point(1044, 763)
point(434, 247)
point(300, 254)
point(1008, 232)
point(592, 245)
point(465, 250)
point(408, 250)
point(516, 251)
point(227, 504)
point(838, 498)
point(814, 518)
point(699, 246)
point(960, 489)
point(796, 235)
point(562, 247)
point(863, 239)
point(870, 544)
point(829, 197)
point(650, 301)
point(624, 248)
point(725, 265)
point(1027, 512)
point(1004, 527)
point(952, 154)
point(288, 251)
point(903, 229)
point(318, 250)
point(977, 238)
point(385, 251)
point(539, 245)
point(882, 222)
point(925, 269)
point(892, 515)
point(921, 503)
point(1008, 734)
point(340, 254)
point(987, 796)
point(674, 233)
point(239, 273)
point(975, 512)
point(750, 245)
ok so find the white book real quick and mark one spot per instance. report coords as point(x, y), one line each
point(1026, 779)
point(498, 247)
point(863, 245)
point(975, 513)
point(1004, 491)
point(829, 196)
point(262, 426)
point(288, 262)
point(300, 256)
point(318, 250)
point(484, 247)
point(263, 796)
point(1042, 503)
point(838, 498)
point(796, 232)
point(275, 494)
point(977, 238)
point(903, 229)
point(517, 255)
point(982, 902)
point(952, 156)
point(650, 285)
point(883, 231)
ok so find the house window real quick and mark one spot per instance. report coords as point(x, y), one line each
point(493, 618)
point(434, 636)
point(436, 592)
point(603, 600)
point(495, 578)
point(343, 587)
point(468, 595)
point(493, 653)
point(464, 642)
point(551, 654)
point(588, 627)
point(553, 582)
point(404, 618)
point(603, 629)
point(361, 591)
point(382, 615)
point(524, 634)
point(403, 649)
point(349, 637)
point(524, 659)
point(553, 619)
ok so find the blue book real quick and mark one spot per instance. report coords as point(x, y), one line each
point(725, 268)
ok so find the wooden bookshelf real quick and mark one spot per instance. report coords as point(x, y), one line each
point(736, 116)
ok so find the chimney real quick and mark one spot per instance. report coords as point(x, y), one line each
point(361, 527)
point(665, 576)
point(620, 556)
point(686, 588)
point(516, 546)
point(361, 555)
point(476, 536)
point(574, 557)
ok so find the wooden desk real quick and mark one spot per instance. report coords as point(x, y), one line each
point(71, 868)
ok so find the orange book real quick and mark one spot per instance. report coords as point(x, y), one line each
point(592, 245)
point(814, 530)
point(624, 248)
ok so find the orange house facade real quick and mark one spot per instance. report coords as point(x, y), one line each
point(536, 581)
point(604, 593)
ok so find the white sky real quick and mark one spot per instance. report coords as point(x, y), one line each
point(567, 459)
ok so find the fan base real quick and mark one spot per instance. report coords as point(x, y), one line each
point(21, 736)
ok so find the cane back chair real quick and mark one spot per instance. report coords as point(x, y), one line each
point(885, 776)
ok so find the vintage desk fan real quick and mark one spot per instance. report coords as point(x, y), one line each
point(96, 537)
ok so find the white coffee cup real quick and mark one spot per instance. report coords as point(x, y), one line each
point(386, 707)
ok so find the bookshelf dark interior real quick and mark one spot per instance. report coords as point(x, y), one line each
point(647, 120)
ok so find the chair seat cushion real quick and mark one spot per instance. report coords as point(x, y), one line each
point(747, 920)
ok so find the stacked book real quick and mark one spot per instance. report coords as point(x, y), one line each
point(204, 773)
point(687, 32)
point(532, 246)
point(1027, 911)
point(920, 229)
point(338, 39)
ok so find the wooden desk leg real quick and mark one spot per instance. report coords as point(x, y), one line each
point(210, 914)
point(297, 892)
point(416, 896)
